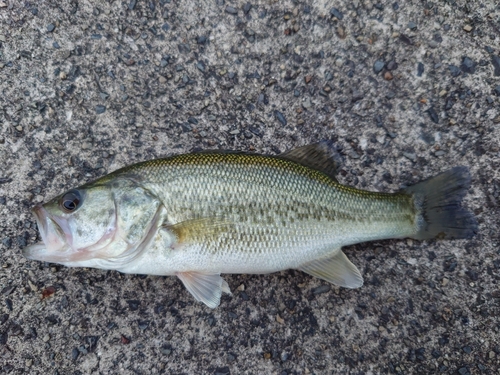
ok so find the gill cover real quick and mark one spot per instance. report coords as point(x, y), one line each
point(108, 221)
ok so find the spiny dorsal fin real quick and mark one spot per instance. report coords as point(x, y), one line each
point(336, 269)
point(320, 156)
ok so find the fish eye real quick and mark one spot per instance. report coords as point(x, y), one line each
point(71, 201)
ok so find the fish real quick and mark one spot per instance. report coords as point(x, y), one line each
point(199, 215)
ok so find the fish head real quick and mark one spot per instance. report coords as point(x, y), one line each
point(96, 223)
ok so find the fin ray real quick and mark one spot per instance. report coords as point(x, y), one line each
point(198, 230)
point(320, 156)
point(205, 287)
point(439, 202)
point(336, 269)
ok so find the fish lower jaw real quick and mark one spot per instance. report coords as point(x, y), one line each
point(40, 253)
point(34, 251)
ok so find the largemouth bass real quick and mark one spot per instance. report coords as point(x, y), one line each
point(199, 215)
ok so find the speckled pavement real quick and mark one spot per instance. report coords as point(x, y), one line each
point(406, 89)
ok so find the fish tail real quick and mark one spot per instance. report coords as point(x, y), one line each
point(438, 203)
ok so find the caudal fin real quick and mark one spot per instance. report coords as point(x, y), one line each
point(439, 201)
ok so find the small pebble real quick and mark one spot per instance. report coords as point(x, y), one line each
point(340, 32)
point(166, 351)
point(201, 66)
point(433, 115)
point(357, 95)
point(322, 289)
point(392, 65)
point(412, 25)
point(100, 109)
point(231, 10)
point(420, 69)
point(378, 66)
point(247, 7)
point(281, 118)
point(467, 349)
point(32, 286)
point(51, 27)
point(468, 65)
point(410, 155)
point(495, 60)
point(454, 70)
point(336, 13)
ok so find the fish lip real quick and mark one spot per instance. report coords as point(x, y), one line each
point(32, 252)
point(37, 211)
point(42, 220)
point(39, 252)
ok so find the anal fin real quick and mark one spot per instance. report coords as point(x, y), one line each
point(205, 287)
point(336, 269)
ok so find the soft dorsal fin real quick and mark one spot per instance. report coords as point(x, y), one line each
point(336, 269)
point(320, 156)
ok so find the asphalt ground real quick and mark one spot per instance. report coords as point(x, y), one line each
point(405, 89)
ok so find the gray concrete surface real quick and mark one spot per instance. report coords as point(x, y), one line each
point(405, 88)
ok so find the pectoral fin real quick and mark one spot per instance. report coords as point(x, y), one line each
point(198, 230)
point(336, 269)
point(205, 287)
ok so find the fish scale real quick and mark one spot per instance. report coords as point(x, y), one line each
point(199, 215)
point(326, 214)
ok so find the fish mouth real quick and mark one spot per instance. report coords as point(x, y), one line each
point(55, 240)
point(57, 245)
